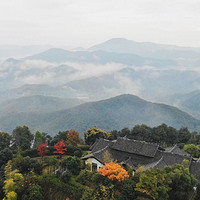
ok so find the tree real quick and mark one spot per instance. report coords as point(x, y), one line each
point(154, 183)
point(26, 164)
point(5, 139)
point(183, 135)
point(34, 192)
point(192, 149)
point(61, 136)
point(5, 155)
point(73, 137)
point(41, 138)
point(107, 157)
point(42, 149)
point(114, 171)
point(141, 132)
point(124, 132)
point(159, 133)
point(182, 182)
point(127, 189)
point(13, 181)
point(104, 192)
point(22, 138)
point(60, 148)
point(73, 164)
point(94, 133)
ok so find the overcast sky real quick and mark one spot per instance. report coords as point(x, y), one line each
point(87, 22)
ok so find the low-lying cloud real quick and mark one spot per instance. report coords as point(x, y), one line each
point(113, 78)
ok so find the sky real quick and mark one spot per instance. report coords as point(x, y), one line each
point(75, 23)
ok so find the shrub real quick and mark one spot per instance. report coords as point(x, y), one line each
point(73, 164)
point(34, 192)
point(85, 177)
point(78, 153)
point(30, 152)
point(26, 164)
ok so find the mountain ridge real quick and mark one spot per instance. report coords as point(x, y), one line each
point(114, 113)
point(147, 49)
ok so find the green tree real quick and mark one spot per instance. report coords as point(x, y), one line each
point(192, 149)
point(154, 183)
point(5, 155)
point(5, 139)
point(94, 133)
point(26, 164)
point(22, 138)
point(73, 164)
point(141, 132)
point(172, 136)
point(127, 189)
point(41, 138)
point(182, 182)
point(183, 135)
point(34, 192)
point(61, 136)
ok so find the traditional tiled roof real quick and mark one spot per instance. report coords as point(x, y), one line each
point(176, 150)
point(168, 159)
point(157, 164)
point(135, 147)
point(172, 158)
point(100, 144)
point(98, 155)
point(129, 162)
point(195, 169)
point(135, 153)
point(198, 160)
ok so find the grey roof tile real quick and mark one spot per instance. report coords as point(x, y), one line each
point(136, 147)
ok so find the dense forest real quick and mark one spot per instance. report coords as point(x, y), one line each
point(38, 166)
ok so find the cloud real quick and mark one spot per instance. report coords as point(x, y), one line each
point(45, 78)
point(128, 85)
point(111, 79)
point(36, 64)
point(93, 70)
point(38, 71)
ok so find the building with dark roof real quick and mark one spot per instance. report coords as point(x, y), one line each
point(136, 153)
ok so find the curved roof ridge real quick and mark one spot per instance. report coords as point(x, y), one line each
point(159, 161)
point(153, 164)
point(181, 155)
point(177, 154)
point(173, 148)
point(139, 141)
point(101, 149)
point(129, 158)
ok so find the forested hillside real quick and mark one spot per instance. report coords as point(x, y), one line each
point(115, 113)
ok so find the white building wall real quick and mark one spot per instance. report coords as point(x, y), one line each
point(93, 160)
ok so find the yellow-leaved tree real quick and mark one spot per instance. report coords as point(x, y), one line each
point(12, 182)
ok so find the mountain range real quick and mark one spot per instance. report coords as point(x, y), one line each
point(100, 56)
point(147, 49)
point(188, 102)
point(114, 113)
point(37, 103)
point(48, 89)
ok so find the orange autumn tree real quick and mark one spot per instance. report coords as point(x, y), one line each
point(73, 137)
point(114, 171)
